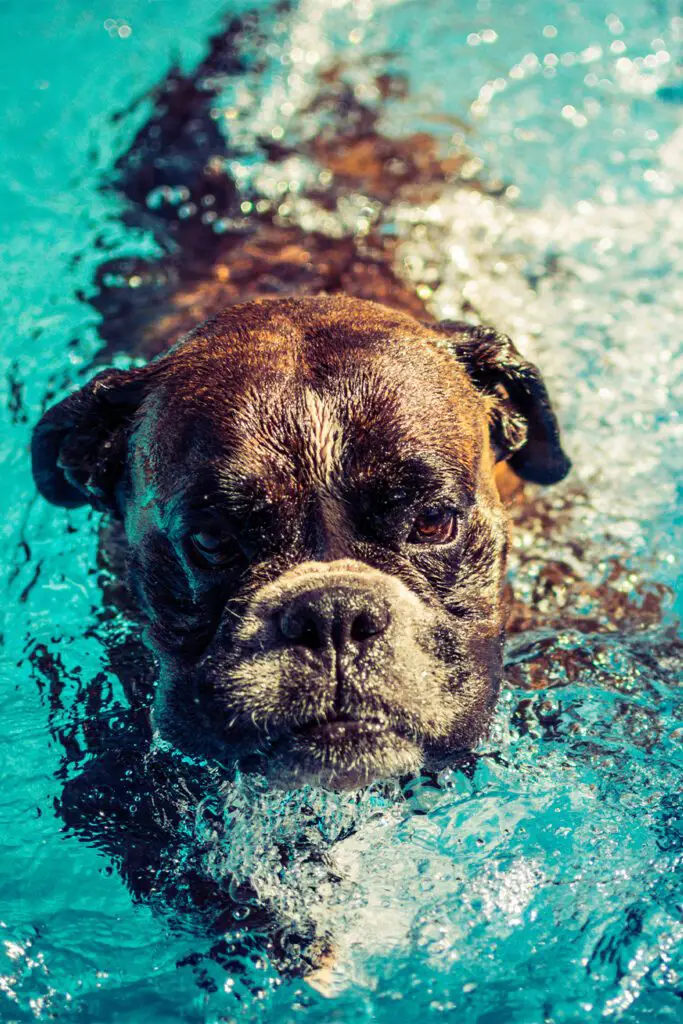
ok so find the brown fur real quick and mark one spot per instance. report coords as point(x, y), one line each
point(311, 433)
point(262, 393)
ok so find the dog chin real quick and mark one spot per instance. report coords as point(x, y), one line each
point(337, 756)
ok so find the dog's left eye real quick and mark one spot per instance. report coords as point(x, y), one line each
point(434, 526)
point(209, 546)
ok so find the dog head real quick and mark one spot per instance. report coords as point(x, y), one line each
point(316, 540)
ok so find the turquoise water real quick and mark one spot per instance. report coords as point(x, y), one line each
point(545, 884)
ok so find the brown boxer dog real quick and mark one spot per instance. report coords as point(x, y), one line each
point(315, 537)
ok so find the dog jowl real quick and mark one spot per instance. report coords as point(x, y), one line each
point(315, 537)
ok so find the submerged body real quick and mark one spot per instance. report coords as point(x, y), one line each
point(555, 843)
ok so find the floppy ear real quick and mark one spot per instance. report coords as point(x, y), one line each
point(78, 448)
point(524, 429)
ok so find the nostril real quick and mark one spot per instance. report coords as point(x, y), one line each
point(368, 624)
point(322, 619)
point(300, 628)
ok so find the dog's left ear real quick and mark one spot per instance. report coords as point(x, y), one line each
point(524, 428)
point(79, 447)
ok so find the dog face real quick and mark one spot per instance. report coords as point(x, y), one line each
point(316, 539)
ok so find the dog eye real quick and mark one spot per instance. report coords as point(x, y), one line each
point(434, 526)
point(209, 546)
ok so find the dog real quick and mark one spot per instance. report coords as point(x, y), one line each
point(315, 536)
point(309, 498)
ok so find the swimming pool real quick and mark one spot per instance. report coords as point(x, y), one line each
point(544, 884)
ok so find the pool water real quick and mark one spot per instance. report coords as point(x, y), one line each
point(545, 882)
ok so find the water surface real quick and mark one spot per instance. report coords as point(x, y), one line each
point(546, 884)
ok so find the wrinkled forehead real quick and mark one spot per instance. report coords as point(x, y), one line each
point(366, 423)
point(370, 414)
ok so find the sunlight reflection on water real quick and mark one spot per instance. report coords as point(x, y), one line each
point(546, 885)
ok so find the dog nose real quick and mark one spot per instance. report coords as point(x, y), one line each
point(339, 618)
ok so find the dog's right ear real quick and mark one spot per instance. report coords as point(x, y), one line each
point(79, 447)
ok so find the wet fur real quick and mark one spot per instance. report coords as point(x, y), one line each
point(120, 798)
point(294, 426)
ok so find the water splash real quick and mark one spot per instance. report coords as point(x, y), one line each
point(543, 882)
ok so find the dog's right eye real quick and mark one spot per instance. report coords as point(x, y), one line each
point(209, 546)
